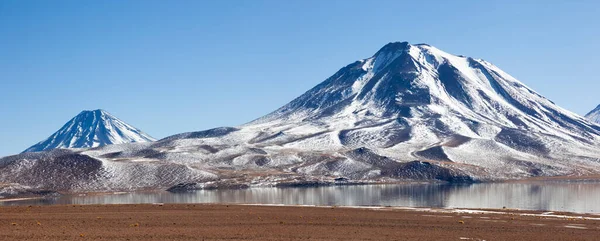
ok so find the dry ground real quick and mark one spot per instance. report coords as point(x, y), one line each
point(238, 222)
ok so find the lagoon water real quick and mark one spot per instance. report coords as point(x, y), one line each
point(579, 197)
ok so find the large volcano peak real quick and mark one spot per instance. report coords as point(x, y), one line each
point(420, 81)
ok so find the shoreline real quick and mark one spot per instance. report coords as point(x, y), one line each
point(504, 211)
point(532, 180)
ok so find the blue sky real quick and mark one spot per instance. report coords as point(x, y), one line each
point(168, 67)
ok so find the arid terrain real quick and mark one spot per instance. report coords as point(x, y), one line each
point(242, 222)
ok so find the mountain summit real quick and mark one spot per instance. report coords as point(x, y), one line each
point(416, 102)
point(92, 128)
point(594, 115)
point(420, 82)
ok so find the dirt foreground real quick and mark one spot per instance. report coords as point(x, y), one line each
point(240, 222)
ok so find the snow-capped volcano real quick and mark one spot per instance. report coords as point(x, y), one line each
point(91, 129)
point(420, 82)
point(594, 115)
point(408, 112)
point(416, 102)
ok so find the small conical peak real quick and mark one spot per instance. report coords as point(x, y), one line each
point(91, 115)
point(92, 128)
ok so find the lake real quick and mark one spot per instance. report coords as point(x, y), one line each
point(581, 197)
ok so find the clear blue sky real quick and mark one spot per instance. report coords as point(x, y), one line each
point(168, 67)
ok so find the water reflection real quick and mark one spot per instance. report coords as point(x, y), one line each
point(573, 197)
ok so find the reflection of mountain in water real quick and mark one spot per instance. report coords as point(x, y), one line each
point(574, 197)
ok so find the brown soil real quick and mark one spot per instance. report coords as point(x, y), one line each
point(238, 222)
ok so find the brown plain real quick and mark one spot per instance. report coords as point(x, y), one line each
point(240, 222)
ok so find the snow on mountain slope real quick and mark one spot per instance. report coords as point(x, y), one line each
point(92, 129)
point(416, 81)
point(416, 102)
point(594, 115)
point(409, 112)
